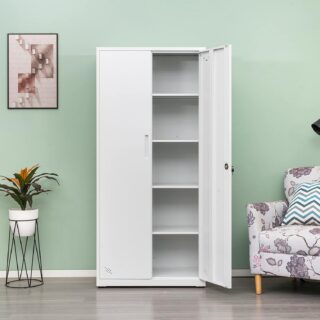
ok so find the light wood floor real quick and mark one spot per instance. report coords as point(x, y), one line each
point(77, 299)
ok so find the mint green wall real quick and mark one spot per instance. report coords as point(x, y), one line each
point(276, 50)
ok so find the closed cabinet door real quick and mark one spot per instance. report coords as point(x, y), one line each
point(215, 166)
point(124, 172)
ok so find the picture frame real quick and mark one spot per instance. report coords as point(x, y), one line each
point(32, 71)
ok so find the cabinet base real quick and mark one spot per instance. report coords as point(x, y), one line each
point(153, 282)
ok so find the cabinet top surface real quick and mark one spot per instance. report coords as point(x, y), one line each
point(155, 49)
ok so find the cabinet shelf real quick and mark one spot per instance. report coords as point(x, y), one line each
point(175, 186)
point(173, 95)
point(175, 141)
point(175, 230)
point(175, 272)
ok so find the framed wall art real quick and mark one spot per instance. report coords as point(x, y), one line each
point(32, 71)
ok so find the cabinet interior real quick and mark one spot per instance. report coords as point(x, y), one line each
point(175, 73)
point(175, 165)
point(175, 118)
point(175, 210)
point(175, 256)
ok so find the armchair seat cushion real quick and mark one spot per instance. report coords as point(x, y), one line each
point(292, 239)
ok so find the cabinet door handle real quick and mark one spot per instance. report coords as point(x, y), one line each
point(146, 146)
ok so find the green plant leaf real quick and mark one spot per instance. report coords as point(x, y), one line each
point(8, 179)
point(33, 193)
point(18, 176)
point(36, 186)
point(29, 199)
point(5, 191)
point(14, 189)
point(18, 200)
point(30, 175)
point(43, 174)
point(49, 178)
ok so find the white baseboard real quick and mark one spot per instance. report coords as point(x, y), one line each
point(69, 273)
point(92, 273)
point(237, 273)
point(58, 273)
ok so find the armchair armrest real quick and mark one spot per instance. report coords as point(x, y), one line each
point(262, 216)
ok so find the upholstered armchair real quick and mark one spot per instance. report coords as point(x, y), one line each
point(288, 251)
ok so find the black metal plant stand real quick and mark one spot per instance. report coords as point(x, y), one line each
point(16, 243)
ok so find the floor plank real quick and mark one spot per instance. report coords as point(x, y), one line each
point(78, 298)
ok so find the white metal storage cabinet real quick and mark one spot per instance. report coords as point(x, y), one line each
point(163, 166)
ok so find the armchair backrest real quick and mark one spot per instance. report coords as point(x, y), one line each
point(296, 176)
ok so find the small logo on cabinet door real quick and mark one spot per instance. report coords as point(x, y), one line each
point(108, 270)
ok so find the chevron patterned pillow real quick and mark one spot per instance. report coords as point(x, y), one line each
point(304, 208)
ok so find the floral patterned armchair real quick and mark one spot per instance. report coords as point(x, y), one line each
point(289, 251)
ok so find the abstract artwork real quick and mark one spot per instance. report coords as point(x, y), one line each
point(33, 71)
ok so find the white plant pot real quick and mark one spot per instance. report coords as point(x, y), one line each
point(25, 221)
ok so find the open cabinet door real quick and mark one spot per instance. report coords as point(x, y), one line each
point(215, 166)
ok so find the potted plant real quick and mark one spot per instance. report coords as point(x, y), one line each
point(22, 188)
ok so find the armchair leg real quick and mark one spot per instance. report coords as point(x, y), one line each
point(258, 282)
